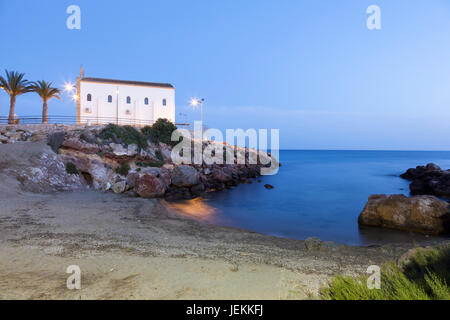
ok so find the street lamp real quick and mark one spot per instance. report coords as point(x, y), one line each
point(195, 102)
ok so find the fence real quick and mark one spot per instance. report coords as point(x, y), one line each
point(24, 120)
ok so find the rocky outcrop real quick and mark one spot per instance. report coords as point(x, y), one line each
point(148, 185)
point(184, 176)
point(429, 179)
point(424, 214)
point(123, 160)
point(37, 168)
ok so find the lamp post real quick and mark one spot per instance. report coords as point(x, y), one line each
point(195, 102)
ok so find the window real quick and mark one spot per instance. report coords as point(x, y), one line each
point(109, 98)
point(146, 101)
point(164, 102)
point(89, 97)
point(128, 100)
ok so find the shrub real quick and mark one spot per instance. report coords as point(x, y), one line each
point(123, 134)
point(150, 163)
point(123, 169)
point(71, 168)
point(160, 131)
point(424, 278)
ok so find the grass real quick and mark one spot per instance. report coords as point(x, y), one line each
point(71, 168)
point(425, 277)
point(123, 169)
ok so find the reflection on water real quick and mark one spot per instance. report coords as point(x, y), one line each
point(196, 208)
point(317, 194)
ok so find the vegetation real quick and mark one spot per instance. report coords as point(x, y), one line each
point(14, 85)
point(425, 277)
point(160, 131)
point(123, 169)
point(46, 92)
point(150, 163)
point(71, 168)
point(123, 134)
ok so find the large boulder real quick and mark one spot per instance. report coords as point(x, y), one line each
point(424, 214)
point(184, 176)
point(148, 185)
point(429, 179)
point(78, 144)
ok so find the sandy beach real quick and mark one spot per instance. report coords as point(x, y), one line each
point(133, 248)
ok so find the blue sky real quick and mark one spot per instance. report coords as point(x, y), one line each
point(309, 68)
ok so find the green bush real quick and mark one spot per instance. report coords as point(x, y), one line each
point(71, 168)
point(426, 277)
point(150, 163)
point(160, 131)
point(123, 134)
point(123, 169)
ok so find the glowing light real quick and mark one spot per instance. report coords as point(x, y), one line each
point(194, 102)
point(69, 87)
point(75, 97)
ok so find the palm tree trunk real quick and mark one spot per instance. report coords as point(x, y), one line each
point(12, 107)
point(45, 112)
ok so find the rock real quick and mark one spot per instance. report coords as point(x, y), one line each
point(118, 149)
point(91, 165)
point(269, 186)
point(428, 180)
point(80, 145)
point(132, 150)
point(169, 167)
point(409, 256)
point(424, 214)
point(184, 176)
point(38, 168)
point(106, 186)
point(198, 189)
point(149, 186)
point(55, 140)
point(4, 139)
point(119, 187)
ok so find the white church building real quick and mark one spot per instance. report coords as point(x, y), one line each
point(102, 101)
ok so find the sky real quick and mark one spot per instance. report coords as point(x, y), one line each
point(310, 68)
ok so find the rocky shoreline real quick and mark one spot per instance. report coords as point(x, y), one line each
point(423, 212)
point(99, 158)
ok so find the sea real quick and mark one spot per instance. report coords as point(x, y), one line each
point(317, 194)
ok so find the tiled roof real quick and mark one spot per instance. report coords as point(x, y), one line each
point(135, 83)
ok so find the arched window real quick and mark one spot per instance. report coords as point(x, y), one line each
point(164, 102)
point(109, 98)
point(128, 100)
point(146, 101)
point(89, 97)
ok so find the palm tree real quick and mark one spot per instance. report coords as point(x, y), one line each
point(14, 85)
point(46, 92)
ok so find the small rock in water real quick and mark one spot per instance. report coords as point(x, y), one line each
point(269, 186)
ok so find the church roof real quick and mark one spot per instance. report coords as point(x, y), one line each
point(133, 83)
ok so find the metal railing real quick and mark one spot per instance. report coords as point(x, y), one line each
point(84, 120)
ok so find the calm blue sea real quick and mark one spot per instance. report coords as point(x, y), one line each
point(317, 194)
